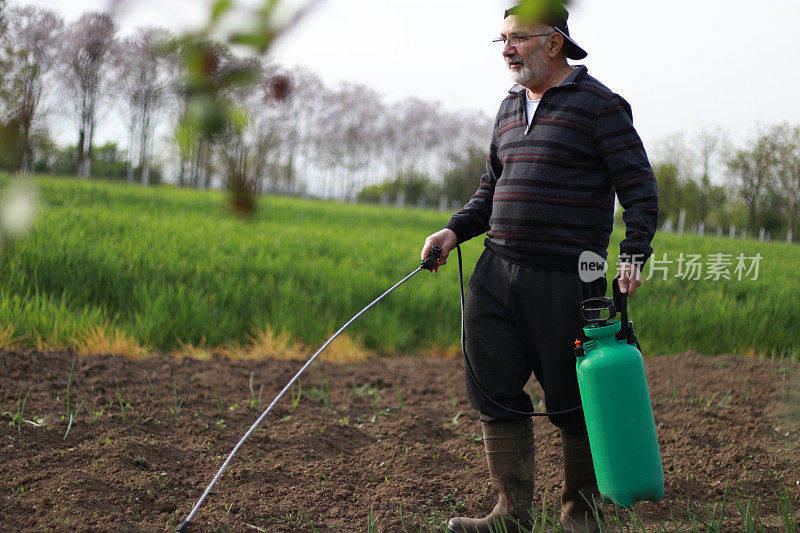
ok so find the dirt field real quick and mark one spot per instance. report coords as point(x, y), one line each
point(398, 444)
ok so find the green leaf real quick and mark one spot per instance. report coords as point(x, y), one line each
point(186, 135)
point(537, 10)
point(238, 117)
point(260, 41)
point(219, 8)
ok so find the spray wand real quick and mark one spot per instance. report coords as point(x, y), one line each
point(431, 263)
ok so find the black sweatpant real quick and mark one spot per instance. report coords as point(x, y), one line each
point(520, 320)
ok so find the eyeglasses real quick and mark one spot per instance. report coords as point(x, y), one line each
point(514, 40)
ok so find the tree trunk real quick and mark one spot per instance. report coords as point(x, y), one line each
point(27, 157)
point(89, 150)
point(752, 215)
point(79, 152)
point(143, 140)
point(131, 137)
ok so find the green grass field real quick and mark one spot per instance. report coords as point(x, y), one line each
point(170, 267)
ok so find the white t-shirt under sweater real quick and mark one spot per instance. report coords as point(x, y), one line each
point(530, 107)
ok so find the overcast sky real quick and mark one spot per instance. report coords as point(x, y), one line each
point(681, 64)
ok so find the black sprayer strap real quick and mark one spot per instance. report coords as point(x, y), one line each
point(621, 303)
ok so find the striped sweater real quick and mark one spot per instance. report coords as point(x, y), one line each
point(548, 191)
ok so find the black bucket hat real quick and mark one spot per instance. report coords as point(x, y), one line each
point(557, 18)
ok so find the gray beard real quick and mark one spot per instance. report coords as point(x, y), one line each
point(534, 69)
point(522, 76)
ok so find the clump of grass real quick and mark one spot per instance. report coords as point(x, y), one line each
point(192, 351)
point(52, 342)
point(346, 349)
point(372, 523)
point(255, 401)
point(708, 518)
point(749, 513)
point(101, 340)
point(7, 338)
point(323, 392)
point(18, 416)
point(310, 523)
point(220, 403)
point(440, 352)
point(175, 407)
point(786, 512)
point(453, 401)
point(296, 395)
point(370, 391)
point(263, 343)
point(72, 416)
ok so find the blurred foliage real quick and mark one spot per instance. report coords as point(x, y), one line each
point(416, 187)
point(675, 194)
point(108, 161)
point(211, 77)
point(459, 184)
point(540, 10)
point(755, 185)
point(462, 182)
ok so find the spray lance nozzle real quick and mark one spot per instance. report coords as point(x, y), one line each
point(432, 262)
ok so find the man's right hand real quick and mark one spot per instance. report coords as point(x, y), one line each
point(446, 238)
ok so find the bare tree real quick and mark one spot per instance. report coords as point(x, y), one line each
point(347, 135)
point(673, 150)
point(754, 168)
point(85, 56)
point(32, 35)
point(457, 134)
point(787, 176)
point(265, 152)
point(711, 145)
point(413, 131)
point(141, 63)
point(308, 92)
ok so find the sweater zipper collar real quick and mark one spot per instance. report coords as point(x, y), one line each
point(573, 80)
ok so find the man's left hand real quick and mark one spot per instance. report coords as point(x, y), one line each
point(629, 278)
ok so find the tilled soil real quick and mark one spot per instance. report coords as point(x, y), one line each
point(389, 442)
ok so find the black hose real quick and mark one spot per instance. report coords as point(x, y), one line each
point(472, 371)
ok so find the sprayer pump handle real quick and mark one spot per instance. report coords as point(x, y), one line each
point(592, 306)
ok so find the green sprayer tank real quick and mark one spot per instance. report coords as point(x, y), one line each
point(616, 404)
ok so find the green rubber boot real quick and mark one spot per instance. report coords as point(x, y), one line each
point(510, 455)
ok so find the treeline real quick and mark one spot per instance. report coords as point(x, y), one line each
point(222, 120)
point(292, 134)
point(708, 185)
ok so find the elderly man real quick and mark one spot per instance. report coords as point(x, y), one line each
point(563, 144)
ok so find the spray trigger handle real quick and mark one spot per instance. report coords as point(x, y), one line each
point(432, 262)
